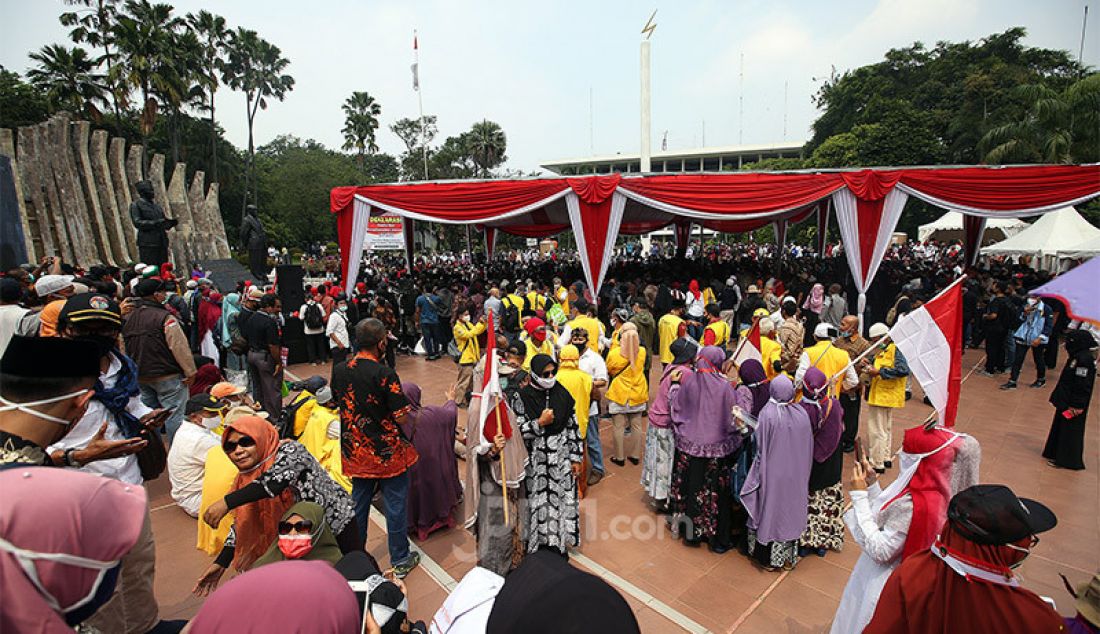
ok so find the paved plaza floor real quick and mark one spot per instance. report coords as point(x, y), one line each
point(673, 587)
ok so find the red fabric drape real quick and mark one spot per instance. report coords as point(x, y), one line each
point(822, 227)
point(1006, 188)
point(454, 202)
point(973, 229)
point(870, 188)
point(490, 234)
point(594, 194)
point(683, 236)
point(870, 184)
point(594, 189)
point(735, 193)
point(344, 223)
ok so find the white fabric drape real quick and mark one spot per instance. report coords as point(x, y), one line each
point(618, 205)
point(847, 217)
point(495, 219)
point(703, 215)
point(359, 222)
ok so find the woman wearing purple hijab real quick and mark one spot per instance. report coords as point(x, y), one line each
point(775, 493)
point(825, 525)
point(753, 393)
point(434, 487)
point(706, 441)
point(660, 440)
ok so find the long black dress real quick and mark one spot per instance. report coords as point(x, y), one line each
point(1066, 441)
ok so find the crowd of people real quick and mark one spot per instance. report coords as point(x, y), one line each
point(165, 374)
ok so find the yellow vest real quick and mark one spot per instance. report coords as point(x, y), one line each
point(466, 340)
point(721, 332)
point(563, 298)
point(579, 384)
point(592, 326)
point(326, 450)
point(886, 392)
point(546, 348)
point(628, 384)
point(536, 301)
point(667, 330)
point(829, 359)
point(770, 350)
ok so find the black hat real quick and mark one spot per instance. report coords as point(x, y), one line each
point(147, 287)
point(203, 402)
point(89, 307)
point(10, 289)
point(683, 351)
point(991, 514)
point(37, 357)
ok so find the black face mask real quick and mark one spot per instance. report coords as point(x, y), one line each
point(103, 342)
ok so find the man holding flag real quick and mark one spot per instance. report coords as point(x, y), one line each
point(496, 460)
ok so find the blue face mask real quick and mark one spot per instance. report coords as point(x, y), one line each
point(845, 333)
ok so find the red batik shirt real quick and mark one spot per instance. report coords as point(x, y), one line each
point(370, 397)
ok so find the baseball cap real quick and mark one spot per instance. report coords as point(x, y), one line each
point(825, 331)
point(324, 395)
point(991, 514)
point(255, 293)
point(50, 284)
point(224, 389)
point(89, 307)
point(203, 403)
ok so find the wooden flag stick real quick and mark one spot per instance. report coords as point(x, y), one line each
point(503, 472)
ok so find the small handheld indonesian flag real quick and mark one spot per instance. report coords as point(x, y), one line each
point(930, 337)
point(493, 412)
point(749, 348)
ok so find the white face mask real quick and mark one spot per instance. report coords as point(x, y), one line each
point(27, 408)
point(211, 422)
point(545, 383)
point(1031, 301)
point(27, 558)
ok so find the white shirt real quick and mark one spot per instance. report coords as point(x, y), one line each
point(596, 367)
point(124, 468)
point(337, 325)
point(11, 323)
point(302, 316)
point(187, 465)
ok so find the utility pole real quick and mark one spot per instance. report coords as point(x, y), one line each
point(741, 105)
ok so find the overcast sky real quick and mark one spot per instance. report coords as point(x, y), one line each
point(533, 66)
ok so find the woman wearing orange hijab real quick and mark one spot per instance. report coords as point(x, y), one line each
point(272, 477)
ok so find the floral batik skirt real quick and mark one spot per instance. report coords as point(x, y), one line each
point(700, 499)
point(825, 524)
point(660, 452)
point(775, 555)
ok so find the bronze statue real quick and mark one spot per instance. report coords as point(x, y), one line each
point(152, 226)
point(254, 238)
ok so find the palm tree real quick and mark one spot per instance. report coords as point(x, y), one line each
point(68, 77)
point(255, 67)
point(361, 114)
point(1059, 127)
point(486, 145)
point(92, 25)
point(213, 35)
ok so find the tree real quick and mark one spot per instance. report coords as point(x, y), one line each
point(93, 25)
point(486, 144)
point(1059, 126)
point(361, 114)
point(255, 67)
point(20, 103)
point(213, 36)
point(67, 77)
point(417, 135)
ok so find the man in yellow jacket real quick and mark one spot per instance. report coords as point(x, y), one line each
point(668, 330)
point(717, 332)
point(584, 317)
point(887, 371)
point(466, 333)
point(826, 357)
point(770, 350)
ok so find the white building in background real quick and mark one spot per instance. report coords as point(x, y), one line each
point(706, 159)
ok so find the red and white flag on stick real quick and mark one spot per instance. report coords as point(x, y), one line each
point(493, 414)
point(749, 347)
point(416, 63)
point(930, 337)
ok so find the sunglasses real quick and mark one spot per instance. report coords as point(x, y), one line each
point(549, 374)
point(304, 526)
point(244, 441)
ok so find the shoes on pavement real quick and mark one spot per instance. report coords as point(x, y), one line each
point(403, 569)
point(633, 461)
point(618, 463)
point(1038, 383)
point(1010, 385)
point(595, 477)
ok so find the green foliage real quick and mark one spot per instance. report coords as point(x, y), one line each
point(415, 134)
point(1059, 126)
point(20, 103)
point(948, 97)
point(772, 165)
point(361, 113)
point(68, 78)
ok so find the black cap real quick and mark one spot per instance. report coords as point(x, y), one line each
point(37, 357)
point(147, 287)
point(89, 307)
point(10, 289)
point(991, 514)
point(203, 402)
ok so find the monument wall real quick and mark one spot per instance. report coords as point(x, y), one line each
point(75, 186)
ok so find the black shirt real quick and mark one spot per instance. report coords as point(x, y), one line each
point(261, 331)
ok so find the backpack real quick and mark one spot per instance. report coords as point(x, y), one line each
point(1010, 315)
point(510, 316)
point(314, 318)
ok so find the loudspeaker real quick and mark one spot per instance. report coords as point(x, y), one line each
point(294, 338)
point(288, 283)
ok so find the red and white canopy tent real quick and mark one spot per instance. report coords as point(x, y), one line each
point(867, 204)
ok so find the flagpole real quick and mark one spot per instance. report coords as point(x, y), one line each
point(420, 103)
point(503, 471)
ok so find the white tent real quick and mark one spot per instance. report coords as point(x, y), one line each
point(949, 227)
point(1060, 230)
point(1087, 249)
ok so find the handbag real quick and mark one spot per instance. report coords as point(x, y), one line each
point(153, 459)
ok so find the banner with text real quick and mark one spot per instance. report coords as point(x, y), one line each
point(385, 232)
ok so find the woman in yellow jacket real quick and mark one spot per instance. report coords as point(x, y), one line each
point(321, 437)
point(887, 372)
point(628, 395)
point(466, 334)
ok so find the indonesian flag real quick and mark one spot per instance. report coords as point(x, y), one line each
point(416, 63)
point(749, 348)
point(493, 411)
point(930, 337)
